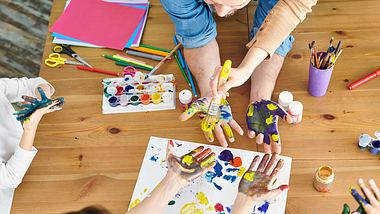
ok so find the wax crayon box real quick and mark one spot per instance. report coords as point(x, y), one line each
point(134, 93)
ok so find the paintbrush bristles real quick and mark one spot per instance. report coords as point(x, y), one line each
point(325, 60)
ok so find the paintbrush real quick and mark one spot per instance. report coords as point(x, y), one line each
point(209, 121)
point(163, 61)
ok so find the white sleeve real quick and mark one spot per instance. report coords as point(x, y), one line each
point(13, 171)
point(14, 88)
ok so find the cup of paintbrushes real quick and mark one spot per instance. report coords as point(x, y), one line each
point(320, 71)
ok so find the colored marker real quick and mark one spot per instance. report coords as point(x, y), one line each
point(182, 59)
point(85, 68)
point(144, 55)
point(154, 48)
point(149, 51)
point(364, 80)
point(182, 71)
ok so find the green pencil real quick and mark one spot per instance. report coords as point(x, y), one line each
point(155, 48)
point(133, 65)
point(180, 68)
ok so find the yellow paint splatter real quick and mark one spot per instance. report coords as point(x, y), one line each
point(188, 160)
point(250, 111)
point(145, 189)
point(275, 137)
point(272, 106)
point(249, 176)
point(210, 208)
point(227, 129)
point(134, 203)
point(241, 172)
point(269, 120)
point(190, 208)
point(208, 161)
point(202, 198)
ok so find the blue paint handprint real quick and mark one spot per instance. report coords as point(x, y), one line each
point(31, 104)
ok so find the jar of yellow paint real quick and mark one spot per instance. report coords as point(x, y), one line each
point(323, 179)
point(156, 98)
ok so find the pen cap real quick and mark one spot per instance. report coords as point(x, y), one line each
point(185, 97)
point(285, 98)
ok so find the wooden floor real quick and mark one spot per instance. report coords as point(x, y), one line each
point(88, 158)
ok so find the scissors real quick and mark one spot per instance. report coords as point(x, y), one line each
point(66, 49)
point(55, 59)
point(129, 70)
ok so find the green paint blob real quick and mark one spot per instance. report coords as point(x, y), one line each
point(172, 202)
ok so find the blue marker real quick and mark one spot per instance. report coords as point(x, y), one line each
point(184, 65)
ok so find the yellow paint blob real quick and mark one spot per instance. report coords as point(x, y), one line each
point(145, 189)
point(275, 137)
point(210, 208)
point(249, 176)
point(241, 172)
point(202, 198)
point(190, 208)
point(227, 129)
point(250, 111)
point(269, 120)
point(134, 203)
point(272, 106)
point(188, 160)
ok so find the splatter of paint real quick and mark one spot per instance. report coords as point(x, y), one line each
point(264, 208)
point(134, 203)
point(232, 169)
point(210, 176)
point(218, 169)
point(226, 155)
point(228, 209)
point(236, 162)
point(231, 178)
point(219, 207)
point(202, 198)
point(188, 160)
point(172, 202)
point(241, 172)
point(154, 158)
point(217, 186)
point(190, 208)
point(249, 176)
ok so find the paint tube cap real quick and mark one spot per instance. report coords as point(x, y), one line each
point(285, 98)
point(185, 97)
point(295, 108)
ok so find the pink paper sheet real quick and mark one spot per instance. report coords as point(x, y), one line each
point(99, 23)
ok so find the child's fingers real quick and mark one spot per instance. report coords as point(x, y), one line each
point(263, 163)
point(270, 164)
point(193, 109)
point(209, 136)
point(368, 192)
point(234, 125)
point(251, 134)
point(220, 136)
point(228, 132)
point(375, 189)
point(267, 148)
point(260, 138)
point(169, 149)
point(200, 157)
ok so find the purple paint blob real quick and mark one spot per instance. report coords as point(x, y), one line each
point(154, 158)
point(226, 155)
point(217, 186)
point(264, 208)
point(218, 169)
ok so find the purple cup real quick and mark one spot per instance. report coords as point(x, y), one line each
point(319, 80)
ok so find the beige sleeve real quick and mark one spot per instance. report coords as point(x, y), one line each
point(279, 23)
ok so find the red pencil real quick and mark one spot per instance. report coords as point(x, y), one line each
point(364, 80)
point(98, 71)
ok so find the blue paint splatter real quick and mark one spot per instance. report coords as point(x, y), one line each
point(228, 209)
point(210, 176)
point(218, 169)
point(232, 169)
point(264, 208)
point(154, 158)
point(231, 178)
point(217, 186)
point(226, 155)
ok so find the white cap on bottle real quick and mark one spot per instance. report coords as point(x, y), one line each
point(185, 97)
point(295, 108)
point(285, 98)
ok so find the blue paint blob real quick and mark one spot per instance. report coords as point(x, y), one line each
point(154, 158)
point(209, 176)
point(231, 178)
point(226, 155)
point(228, 209)
point(232, 169)
point(264, 208)
point(217, 186)
point(218, 169)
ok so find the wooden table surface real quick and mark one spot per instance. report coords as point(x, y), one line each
point(88, 158)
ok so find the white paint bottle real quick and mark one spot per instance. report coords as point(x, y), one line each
point(185, 98)
point(284, 99)
point(295, 111)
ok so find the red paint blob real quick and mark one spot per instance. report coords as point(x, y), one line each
point(284, 187)
point(171, 143)
point(219, 207)
point(236, 162)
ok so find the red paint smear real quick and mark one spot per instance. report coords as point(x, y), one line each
point(236, 162)
point(219, 207)
point(284, 187)
point(171, 143)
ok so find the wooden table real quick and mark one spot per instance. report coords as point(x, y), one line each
point(88, 158)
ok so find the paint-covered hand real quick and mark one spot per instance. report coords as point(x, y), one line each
point(262, 118)
point(33, 120)
point(191, 165)
point(371, 203)
point(31, 105)
point(224, 124)
point(256, 185)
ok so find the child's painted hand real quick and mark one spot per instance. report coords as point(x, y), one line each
point(32, 122)
point(31, 105)
point(191, 165)
point(371, 203)
point(256, 185)
point(224, 124)
point(262, 118)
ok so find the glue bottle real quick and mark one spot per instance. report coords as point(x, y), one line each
point(323, 179)
point(185, 98)
point(295, 111)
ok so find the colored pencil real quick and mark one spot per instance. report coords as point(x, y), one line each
point(163, 60)
point(132, 62)
point(182, 71)
point(154, 48)
point(132, 59)
point(149, 51)
point(144, 55)
point(129, 64)
point(85, 68)
point(182, 59)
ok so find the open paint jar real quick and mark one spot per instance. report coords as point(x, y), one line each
point(364, 141)
point(129, 89)
point(113, 101)
point(140, 87)
point(111, 90)
point(124, 100)
point(156, 98)
point(135, 100)
point(323, 179)
point(119, 90)
point(167, 97)
point(375, 147)
point(145, 99)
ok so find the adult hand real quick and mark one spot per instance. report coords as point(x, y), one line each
point(191, 165)
point(262, 118)
point(257, 185)
point(224, 124)
point(371, 204)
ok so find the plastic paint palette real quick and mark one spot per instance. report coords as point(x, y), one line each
point(135, 94)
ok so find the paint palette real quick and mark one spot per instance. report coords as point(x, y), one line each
point(212, 193)
point(137, 94)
